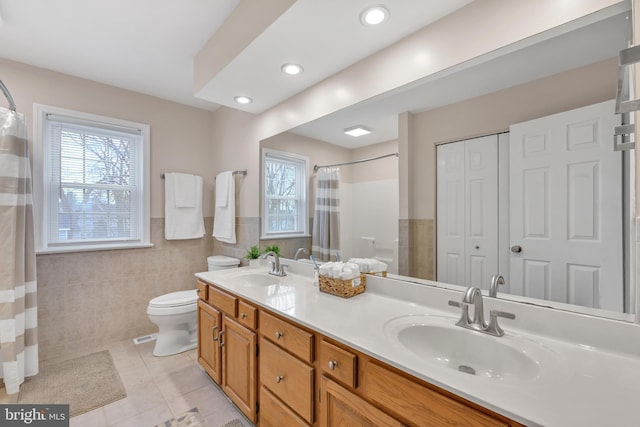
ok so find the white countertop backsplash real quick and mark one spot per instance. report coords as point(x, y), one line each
point(592, 379)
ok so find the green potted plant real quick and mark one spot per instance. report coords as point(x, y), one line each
point(253, 256)
point(272, 248)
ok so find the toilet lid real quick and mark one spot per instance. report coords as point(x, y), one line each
point(175, 299)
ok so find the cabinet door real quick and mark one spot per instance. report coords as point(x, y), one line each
point(340, 407)
point(288, 378)
point(274, 413)
point(208, 331)
point(238, 346)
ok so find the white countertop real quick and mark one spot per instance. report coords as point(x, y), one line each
point(585, 377)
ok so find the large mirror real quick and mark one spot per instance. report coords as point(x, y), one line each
point(568, 68)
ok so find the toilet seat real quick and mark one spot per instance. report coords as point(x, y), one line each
point(175, 299)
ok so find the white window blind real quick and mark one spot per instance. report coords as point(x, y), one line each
point(94, 190)
point(284, 202)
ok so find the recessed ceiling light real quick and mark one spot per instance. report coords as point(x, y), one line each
point(357, 131)
point(243, 100)
point(292, 69)
point(374, 15)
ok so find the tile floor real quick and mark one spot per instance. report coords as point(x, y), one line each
point(158, 389)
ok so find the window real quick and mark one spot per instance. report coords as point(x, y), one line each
point(284, 202)
point(92, 188)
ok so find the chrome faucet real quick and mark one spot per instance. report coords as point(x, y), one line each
point(277, 269)
point(493, 288)
point(298, 252)
point(473, 295)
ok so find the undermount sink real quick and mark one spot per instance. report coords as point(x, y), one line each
point(254, 279)
point(436, 339)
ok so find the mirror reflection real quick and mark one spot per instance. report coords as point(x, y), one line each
point(486, 221)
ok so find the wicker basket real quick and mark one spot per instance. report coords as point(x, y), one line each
point(378, 273)
point(343, 288)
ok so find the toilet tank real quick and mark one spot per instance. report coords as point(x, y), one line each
point(222, 262)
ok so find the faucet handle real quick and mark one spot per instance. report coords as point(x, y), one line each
point(454, 303)
point(504, 314)
point(493, 328)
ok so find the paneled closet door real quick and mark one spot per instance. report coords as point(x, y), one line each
point(566, 208)
point(467, 211)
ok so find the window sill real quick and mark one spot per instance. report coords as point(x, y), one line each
point(285, 236)
point(90, 248)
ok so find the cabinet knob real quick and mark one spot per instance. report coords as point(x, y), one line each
point(333, 364)
point(243, 315)
point(213, 333)
point(279, 378)
point(516, 249)
point(279, 335)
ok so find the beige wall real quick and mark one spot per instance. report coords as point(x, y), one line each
point(186, 139)
point(318, 152)
point(494, 113)
point(180, 135)
point(462, 37)
point(375, 170)
point(236, 146)
point(89, 300)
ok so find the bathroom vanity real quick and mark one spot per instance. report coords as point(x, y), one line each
point(288, 354)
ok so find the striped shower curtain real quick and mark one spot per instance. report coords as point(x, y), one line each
point(325, 242)
point(18, 302)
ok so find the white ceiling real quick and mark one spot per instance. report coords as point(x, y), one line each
point(148, 46)
point(593, 39)
point(324, 37)
point(145, 46)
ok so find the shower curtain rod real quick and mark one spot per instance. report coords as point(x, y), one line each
point(316, 167)
point(7, 94)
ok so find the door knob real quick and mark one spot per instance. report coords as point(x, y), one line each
point(516, 249)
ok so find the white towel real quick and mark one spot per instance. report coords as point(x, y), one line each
point(222, 188)
point(224, 221)
point(184, 186)
point(182, 222)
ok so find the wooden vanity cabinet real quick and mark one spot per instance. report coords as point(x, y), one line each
point(307, 379)
point(238, 348)
point(286, 370)
point(209, 320)
point(227, 346)
point(340, 407)
point(419, 404)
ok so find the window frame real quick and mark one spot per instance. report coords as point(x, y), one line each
point(303, 217)
point(42, 174)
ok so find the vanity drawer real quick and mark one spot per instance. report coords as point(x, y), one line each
point(416, 402)
point(338, 363)
point(287, 378)
point(247, 315)
point(223, 301)
point(287, 336)
point(203, 290)
point(274, 413)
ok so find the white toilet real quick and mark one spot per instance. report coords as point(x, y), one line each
point(176, 314)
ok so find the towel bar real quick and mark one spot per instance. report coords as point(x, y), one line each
point(242, 172)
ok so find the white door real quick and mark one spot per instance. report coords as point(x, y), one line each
point(467, 211)
point(566, 209)
point(450, 214)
